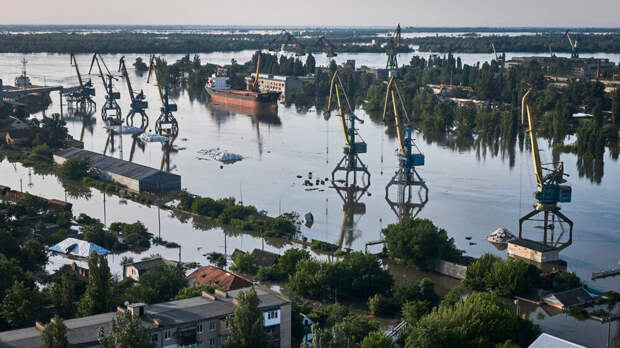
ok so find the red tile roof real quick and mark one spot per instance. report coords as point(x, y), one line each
point(217, 276)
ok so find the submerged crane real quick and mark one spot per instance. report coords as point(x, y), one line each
point(407, 176)
point(327, 46)
point(574, 53)
point(287, 42)
point(165, 124)
point(391, 50)
point(550, 189)
point(82, 97)
point(111, 111)
point(350, 162)
point(138, 101)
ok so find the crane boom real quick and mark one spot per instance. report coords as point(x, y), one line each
point(335, 83)
point(123, 69)
point(494, 50)
point(526, 115)
point(77, 70)
point(258, 64)
point(148, 78)
point(394, 92)
point(97, 60)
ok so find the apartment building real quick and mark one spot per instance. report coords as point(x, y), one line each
point(197, 322)
point(286, 85)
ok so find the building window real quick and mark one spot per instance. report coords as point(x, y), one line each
point(272, 315)
point(212, 326)
point(212, 342)
point(167, 335)
point(199, 328)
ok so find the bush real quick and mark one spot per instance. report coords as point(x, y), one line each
point(287, 265)
point(244, 263)
point(282, 226)
point(73, 169)
point(506, 277)
point(579, 313)
point(420, 243)
point(135, 235)
point(321, 246)
point(381, 305)
point(41, 153)
point(195, 291)
point(206, 206)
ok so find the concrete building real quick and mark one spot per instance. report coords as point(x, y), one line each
point(533, 251)
point(197, 322)
point(136, 269)
point(286, 85)
point(135, 177)
point(578, 67)
point(217, 276)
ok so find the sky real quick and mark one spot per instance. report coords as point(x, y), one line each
point(362, 13)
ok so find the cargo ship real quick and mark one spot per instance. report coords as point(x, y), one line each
point(219, 90)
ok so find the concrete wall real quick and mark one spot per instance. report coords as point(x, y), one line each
point(285, 326)
point(450, 269)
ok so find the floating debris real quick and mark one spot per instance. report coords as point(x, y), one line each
point(309, 219)
point(124, 129)
point(500, 238)
point(468, 237)
point(220, 155)
point(152, 138)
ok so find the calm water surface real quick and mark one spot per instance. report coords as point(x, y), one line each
point(472, 192)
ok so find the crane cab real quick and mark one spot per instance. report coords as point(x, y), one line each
point(414, 160)
point(115, 95)
point(360, 147)
point(554, 194)
point(139, 104)
point(169, 108)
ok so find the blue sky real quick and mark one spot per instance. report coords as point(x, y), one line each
point(553, 13)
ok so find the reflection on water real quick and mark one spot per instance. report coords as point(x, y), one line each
point(352, 205)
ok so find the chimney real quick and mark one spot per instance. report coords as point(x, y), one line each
point(220, 293)
point(137, 309)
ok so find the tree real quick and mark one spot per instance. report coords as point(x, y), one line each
point(218, 259)
point(377, 339)
point(54, 335)
point(477, 271)
point(73, 169)
point(64, 290)
point(310, 64)
point(246, 324)
point(244, 263)
point(320, 337)
point(165, 282)
point(420, 243)
point(506, 277)
point(96, 299)
point(21, 305)
point(127, 332)
point(351, 330)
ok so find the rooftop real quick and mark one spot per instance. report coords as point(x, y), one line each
point(111, 164)
point(530, 244)
point(265, 258)
point(145, 264)
point(547, 341)
point(217, 276)
point(570, 298)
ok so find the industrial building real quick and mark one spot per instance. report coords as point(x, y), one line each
point(193, 322)
point(286, 85)
point(578, 67)
point(533, 251)
point(135, 177)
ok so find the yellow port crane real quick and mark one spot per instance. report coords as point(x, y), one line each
point(574, 53)
point(550, 190)
point(350, 162)
point(407, 176)
point(254, 86)
point(494, 50)
point(82, 97)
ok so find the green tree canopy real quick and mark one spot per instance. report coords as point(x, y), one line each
point(246, 323)
point(127, 332)
point(96, 299)
point(54, 335)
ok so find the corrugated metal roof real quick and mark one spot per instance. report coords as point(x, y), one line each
point(111, 164)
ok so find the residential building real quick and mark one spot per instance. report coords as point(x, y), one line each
point(216, 276)
point(197, 322)
point(578, 67)
point(136, 269)
point(531, 250)
point(570, 298)
point(135, 177)
point(261, 257)
point(286, 85)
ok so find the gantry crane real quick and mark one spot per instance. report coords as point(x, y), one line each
point(550, 189)
point(165, 124)
point(111, 111)
point(407, 176)
point(82, 97)
point(138, 101)
point(574, 53)
point(350, 162)
point(326, 46)
point(285, 41)
point(391, 50)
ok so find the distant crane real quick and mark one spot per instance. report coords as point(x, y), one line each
point(550, 189)
point(407, 176)
point(287, 42)
point(550, 51)
point(494, 50)
point(327, 46)
point(350, 162)
point(391, 50)
point(165, 124)
point(573, 45)
point(111, 111)
point(82, 97)
point(255, 86)
point(138, 101)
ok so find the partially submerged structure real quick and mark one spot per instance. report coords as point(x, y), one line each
point(565, 300)
point(135, 177)
point(136, 269)
point(79, 248)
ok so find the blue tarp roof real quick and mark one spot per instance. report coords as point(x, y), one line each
point(78, 247)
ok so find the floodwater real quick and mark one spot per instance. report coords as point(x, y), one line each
point(471, 191)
